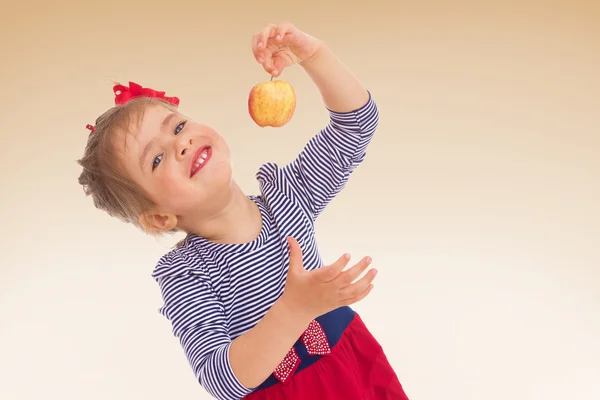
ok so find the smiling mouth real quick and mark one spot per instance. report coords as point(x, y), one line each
point(200, 159)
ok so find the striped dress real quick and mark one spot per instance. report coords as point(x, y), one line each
point(214, 293)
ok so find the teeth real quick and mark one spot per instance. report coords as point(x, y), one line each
point(202, 159)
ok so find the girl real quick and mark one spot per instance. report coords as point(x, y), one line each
point(256, 312)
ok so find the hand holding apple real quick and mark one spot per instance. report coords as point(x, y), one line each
point(272, 103)
point(277, 47)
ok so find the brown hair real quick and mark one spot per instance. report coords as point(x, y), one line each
point(103, 176)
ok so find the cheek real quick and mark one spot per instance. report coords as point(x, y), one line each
point(218, 141)
point(222, 153)
point(171, 199)
point(169, 183)
point(165, 187)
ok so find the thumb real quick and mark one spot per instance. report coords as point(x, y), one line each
point(279, 65)
point(295, 255)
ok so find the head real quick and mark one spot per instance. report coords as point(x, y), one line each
point(147, 164)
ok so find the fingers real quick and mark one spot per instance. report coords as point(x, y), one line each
point(359, 286)
point(279, 64)
point(358, 297)
point(267, 32)
point(283, 29)
point(330, 272)
point(260, 41)
point(260, 46)
point(255, 50)
point(348, 276)
point(268, 63)
point(295, 255)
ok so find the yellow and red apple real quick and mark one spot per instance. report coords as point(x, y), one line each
point(272, 103)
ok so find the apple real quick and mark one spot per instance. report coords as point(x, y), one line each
point(272, 103)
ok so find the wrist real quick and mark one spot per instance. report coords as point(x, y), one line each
point(320, 49)
point(293, 312)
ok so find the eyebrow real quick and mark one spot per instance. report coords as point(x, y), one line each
point(167, 120)
point(164, 124)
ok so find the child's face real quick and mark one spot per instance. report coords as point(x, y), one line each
point(183, 165)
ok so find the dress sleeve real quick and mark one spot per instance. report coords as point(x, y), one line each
point(326, 162)
point(198, 321)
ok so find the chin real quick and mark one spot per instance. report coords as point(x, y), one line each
point(222, 174)
point(211, 192)
point(216, 174)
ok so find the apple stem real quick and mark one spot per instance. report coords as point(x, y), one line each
point(271, 77)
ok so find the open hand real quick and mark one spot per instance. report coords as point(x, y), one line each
point(277, 47)
point(314, 293)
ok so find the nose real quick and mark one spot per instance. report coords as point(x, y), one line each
point(182, 146)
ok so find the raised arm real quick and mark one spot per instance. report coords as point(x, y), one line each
point(340, 89)
point(324, 166)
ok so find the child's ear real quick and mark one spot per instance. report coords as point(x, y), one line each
point(155, 221)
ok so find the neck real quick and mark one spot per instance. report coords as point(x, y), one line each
point(238, 221)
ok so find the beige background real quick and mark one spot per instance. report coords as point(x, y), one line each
point(478, 200)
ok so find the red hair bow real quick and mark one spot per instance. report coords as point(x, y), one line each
point(125, 93)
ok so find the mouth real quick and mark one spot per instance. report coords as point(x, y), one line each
point(200, 159)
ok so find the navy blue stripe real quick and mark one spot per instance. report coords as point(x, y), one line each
point(334, 324)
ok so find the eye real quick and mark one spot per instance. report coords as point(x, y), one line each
point(156, 161)
point(179, 128)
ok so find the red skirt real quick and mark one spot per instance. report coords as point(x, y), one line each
point(356, 369)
